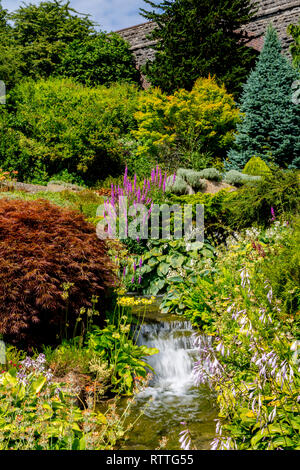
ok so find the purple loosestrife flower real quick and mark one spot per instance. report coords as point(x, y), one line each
point(164, 183)
point(157, 173)
point(132, 280)
point(273, 214)
point(152, 176)
point(140, 279)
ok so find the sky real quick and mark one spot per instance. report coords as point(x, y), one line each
point(111, 15)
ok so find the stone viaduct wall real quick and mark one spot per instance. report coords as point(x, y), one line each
point(280, 12)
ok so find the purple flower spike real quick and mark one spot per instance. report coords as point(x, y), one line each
point(124, 272)
point(132, 280)
point(152, 177)
point(141, 262)
point(164, 183)
point(140, 279)
point(273, 214)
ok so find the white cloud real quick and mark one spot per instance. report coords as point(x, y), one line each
point(111, 15)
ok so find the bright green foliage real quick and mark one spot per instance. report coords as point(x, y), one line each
point(37, 415)
point(167, 262)
point(282, 268)
point(171, 129)
point(271, 124)
point(198, 38)
point(56, 125)
point(256, 167)
point(43, 32)
point(10, 54)
point(279, 190)
point(237, 178)
point(114, 345)
point(102, 59)
point(251, 323)
point(294, 31)
point(215, 216)
point(252, 318)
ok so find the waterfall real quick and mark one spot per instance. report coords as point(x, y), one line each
point(173, 364)
point(171, 397)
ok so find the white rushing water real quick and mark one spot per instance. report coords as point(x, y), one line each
point(173, 364)
point(171, 397)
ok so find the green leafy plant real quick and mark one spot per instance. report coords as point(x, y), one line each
point(127, 360)
point(99, 60)
point(279, 190)
point(36, 414)
point(81, 136)
point(180, 58)
point(166, 262)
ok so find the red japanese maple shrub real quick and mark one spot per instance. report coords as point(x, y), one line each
point(43, 247)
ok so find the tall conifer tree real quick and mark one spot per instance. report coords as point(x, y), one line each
point(197, 38)
point(270, 127)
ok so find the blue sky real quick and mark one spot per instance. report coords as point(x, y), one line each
point(111, 15)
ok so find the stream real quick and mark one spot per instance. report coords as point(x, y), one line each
point(170, 398)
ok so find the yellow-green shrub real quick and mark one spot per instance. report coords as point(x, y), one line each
point(256, 167)
point(186, 126)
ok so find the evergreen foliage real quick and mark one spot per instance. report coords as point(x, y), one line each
point(55, 125)
point(53, 39)
point(294, 31)
point(271, 124)
point(102, 59)
point(43, 32)
point(198, 38)
point(256, 167)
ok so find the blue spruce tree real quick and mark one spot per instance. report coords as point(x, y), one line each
point(270, 127)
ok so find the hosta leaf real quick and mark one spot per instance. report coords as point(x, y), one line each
point(163, 269)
